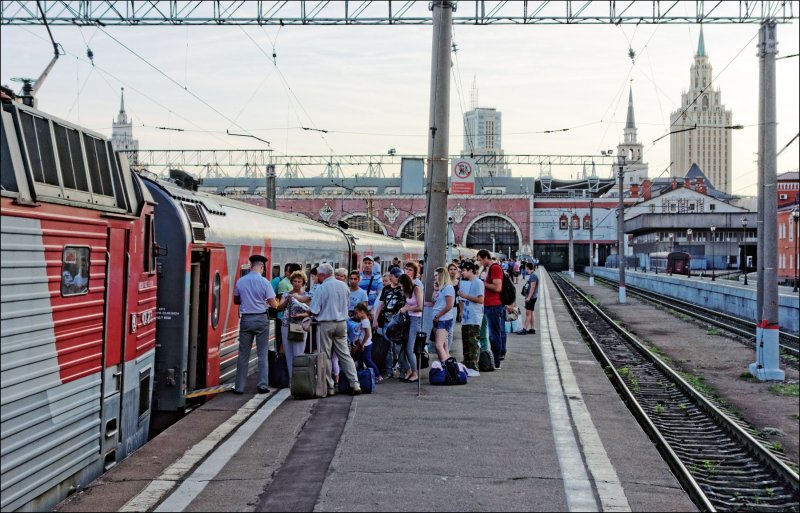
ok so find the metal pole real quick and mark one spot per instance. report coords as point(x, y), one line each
point(796, 217)
point(438, 138)
point(571, 248)
point(767, 364)
point(271, 189)
point(621, 232)
point(713, 240)
point(591, 242)
point(760, 167)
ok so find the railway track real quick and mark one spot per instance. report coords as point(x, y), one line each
point(789, 342)
point(718, 460)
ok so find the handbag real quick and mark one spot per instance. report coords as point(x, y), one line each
point(512, 315)
point(296, 331)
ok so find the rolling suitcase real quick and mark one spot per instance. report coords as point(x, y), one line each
point(309, 375)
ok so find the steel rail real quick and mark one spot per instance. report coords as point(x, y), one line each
point(723, 420)
point(683, 475)
point(702, 313)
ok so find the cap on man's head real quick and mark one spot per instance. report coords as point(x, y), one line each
point(470, 266)
point(396, 272)
point(258, 258)
point(367, 258)
point(377, 258)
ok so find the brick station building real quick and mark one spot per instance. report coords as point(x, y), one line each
point(516, 216)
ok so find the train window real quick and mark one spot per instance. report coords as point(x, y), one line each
point(144, 392)
point(116, 169)
point(81, 180)
point(46, 151)
point(215, 301)
point(149, 262)
point(105, 168)
point(64, 156)
point(98, 165)
point(9, 179)
point(75, 270)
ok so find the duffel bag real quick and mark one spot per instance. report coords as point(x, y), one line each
point(366, 378)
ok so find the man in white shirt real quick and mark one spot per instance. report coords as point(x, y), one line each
point(329, 306)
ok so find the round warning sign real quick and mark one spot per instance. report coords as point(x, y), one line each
point(463, 169)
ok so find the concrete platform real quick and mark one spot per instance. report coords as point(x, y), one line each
point(546, 433)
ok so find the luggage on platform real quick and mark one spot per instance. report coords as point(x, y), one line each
point(366, 378)
point(380, 349)
point(449, 372)
point(486, 362)
point(278, 370)
point(309, 375)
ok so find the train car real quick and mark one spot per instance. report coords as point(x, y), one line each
point(78, 295)
point(675, 262)
point(210, 241)
point(387, 248)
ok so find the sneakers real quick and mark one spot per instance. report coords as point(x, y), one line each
point(379, 380)
point(357, 389)
point(497, 367)
point(472, 373)
point(531, 332)
point(263, 390)
point(331, 392)
point(237, 392)
point(521, 332)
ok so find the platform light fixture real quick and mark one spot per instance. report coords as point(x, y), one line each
point(744, 248)
point(796, 228)
point(713, 229)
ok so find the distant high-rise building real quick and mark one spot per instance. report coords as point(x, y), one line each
point(635, 170)
point(706, 137)
point(122, 134)
point(483, 136)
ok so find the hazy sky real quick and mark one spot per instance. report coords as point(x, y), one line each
point(369, 86)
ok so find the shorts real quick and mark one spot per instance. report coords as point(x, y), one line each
point(444, 325)
point(531, 305)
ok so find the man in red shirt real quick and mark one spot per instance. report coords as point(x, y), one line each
point(493, 308)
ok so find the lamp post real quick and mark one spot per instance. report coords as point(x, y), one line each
point(621, 230)
point(591, 242)
point(689, 238)
point(713, 229)
point(493, 246)
point(796, 217)
point(744, 248)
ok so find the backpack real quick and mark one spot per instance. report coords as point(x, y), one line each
point(508, 294)
point(526, 288)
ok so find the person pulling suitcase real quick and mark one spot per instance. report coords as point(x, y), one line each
point(329, 306)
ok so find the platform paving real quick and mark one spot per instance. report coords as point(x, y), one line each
point(500, 443)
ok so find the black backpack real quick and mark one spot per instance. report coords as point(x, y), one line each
point(508, 294)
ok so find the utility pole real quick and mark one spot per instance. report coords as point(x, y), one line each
point(438, 138)
point(591, 242)
point(571, 247)
point(271, 192)
point(621, 230)
point(370, 218)
point(767, 364)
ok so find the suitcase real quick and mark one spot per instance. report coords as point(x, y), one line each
point(366, 378)
point(278, 370)
point(380, 350)
point(309, 375)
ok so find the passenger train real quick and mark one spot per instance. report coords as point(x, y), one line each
point(117, 298)
point(674, 262)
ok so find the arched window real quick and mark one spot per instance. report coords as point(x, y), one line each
point(489, 229)
point(586, 223)
point(576, 223)
point(562, 222)
point(414, 229)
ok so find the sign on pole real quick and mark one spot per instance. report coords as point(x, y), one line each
point(462, 176)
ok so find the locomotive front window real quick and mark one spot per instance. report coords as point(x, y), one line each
point(75, 264)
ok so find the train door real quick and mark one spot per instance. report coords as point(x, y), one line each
point(114, 342)
point(213, 330)
point(198, 320)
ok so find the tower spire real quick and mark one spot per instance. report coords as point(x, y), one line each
point(122, 101)
point(630, 122)
point(701, 44)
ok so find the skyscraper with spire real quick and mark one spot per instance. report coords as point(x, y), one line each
point(635, 170)
point(483, 136)
point(122, 133)
point(700, 134)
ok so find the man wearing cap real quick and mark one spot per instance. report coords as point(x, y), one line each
point(470, 291)
point(370, 281)
point(253, 293)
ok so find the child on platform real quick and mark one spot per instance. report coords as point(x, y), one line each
point(363, 347)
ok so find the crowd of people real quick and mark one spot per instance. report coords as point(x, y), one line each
point(354, 307)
